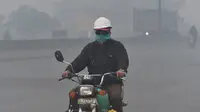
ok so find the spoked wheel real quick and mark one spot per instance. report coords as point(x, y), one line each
point(191, 42)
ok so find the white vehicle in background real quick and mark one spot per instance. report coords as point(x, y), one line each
point(145, 21)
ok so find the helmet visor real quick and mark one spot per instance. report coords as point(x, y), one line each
point(102, 32)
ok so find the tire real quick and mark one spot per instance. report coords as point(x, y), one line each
point(191, 43)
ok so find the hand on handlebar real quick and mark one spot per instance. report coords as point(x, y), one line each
point(66, 74)
point(121, 73)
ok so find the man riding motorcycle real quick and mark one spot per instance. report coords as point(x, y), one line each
point(101, 56)
point(194, 34)
point(193, 31)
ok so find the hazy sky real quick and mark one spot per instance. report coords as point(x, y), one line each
point(6, 6)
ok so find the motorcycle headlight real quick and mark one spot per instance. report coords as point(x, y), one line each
point(86, 91)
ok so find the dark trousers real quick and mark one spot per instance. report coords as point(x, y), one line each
point(115, 97)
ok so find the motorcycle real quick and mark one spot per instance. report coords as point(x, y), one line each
point(191, 42)
point(91, 98)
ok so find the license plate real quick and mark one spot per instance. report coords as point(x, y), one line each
point(112, 110)
point(87, 100)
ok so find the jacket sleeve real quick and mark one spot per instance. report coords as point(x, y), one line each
point(122, 57)
point(81, 61)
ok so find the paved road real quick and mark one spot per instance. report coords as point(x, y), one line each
point(161, 79)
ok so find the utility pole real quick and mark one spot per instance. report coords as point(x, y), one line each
point(159, 17)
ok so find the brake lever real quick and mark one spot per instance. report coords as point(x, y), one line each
point(123, 78)
point(61, 79)
point(69, 77)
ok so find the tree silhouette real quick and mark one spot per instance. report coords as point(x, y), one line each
point(28, 21)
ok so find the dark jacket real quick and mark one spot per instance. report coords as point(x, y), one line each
point(193, 31)
point(101, 58)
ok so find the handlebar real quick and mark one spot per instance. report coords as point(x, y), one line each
point(113, 74)
point(61, 79)
point(69, 77)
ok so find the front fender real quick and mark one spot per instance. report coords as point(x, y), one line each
point(103, 102)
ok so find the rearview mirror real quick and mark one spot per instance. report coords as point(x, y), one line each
point(59, 56)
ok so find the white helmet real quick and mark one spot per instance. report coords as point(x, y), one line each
point(101, 23)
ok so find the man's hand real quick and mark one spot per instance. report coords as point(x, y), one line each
point(121, 73)
point(66, 74)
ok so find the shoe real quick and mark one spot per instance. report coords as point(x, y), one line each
point(124, 103)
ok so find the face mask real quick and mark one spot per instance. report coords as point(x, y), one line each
point(102, 38)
